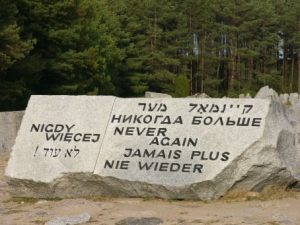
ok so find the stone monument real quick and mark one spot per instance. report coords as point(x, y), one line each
point(189, 148)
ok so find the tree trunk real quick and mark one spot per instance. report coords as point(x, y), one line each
point(155, 28)
point(202, 63)
point(292, 74)
point(239, 74)
point(285, 68)
point(250, 69)
point(191, 60)
point(298, 56)
point(232, 72)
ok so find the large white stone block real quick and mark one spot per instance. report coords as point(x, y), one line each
point(59, 134)
point(9, 126)
point(178, 142)
point(161, 147)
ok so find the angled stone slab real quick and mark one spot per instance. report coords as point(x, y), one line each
point(178, 142)
point(9, 126)
point(58, 135)
point(170, 148)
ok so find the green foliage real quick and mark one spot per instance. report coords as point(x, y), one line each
point(75, 50)
point(12, 46)
point(182, 86)
point(75, 46)
point(153, 31)
point(126, 47)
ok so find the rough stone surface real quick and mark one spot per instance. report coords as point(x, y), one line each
point(286, 222)
point(149, 94)
point(172, 143)
point(245, 96)
point(294, 98)
point(199, 95)
point(284, 98)
point(194, 148)
point(76, 123)
point(9, 126)
point(269, 159)
point(266, 92)
point(70, 220)
point(140, 221)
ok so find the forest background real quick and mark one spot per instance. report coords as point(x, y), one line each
point(126, 47)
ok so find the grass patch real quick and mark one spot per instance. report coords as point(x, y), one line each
point(13, 211)
point(39, 222)
point(198, 221)
point(273, 223)
point(269, 193)
point(25, 200)
point(273, 193)
point(288, 103)
point(22, 200)
point(211, 222)
point(52, 199)
point(150, 198)
point(98, 198)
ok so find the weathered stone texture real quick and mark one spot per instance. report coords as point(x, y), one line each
point(70, 220)
point(235, 144)
point(266, 92)
point(9, 126)
point(149, 94)
point(78, 126)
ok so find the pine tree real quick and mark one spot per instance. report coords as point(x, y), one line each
point(200, 26)
point(75, 49)
point(248, 30)
point(289, 17)
point(13, 48)
point(154, 32)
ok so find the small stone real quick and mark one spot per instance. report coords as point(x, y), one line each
point(70, 220)
point(9, 126)
point(245, 96)
point(150, 94)
point(180, 221)
point(285, 222)
point(284, 98)
point(296, 187)
point(266, 92)
point(293, 98)
point(140, 221)
point(41, 202)
point(252, 194)
point(200, 95)
point(41, 213)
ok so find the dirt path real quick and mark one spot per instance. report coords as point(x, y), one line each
point(240, 210)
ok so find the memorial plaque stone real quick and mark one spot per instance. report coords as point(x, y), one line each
point(189, 148)
point(59, 134)
point(178, 142)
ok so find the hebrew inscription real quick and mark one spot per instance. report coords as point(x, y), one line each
point(59, 134)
